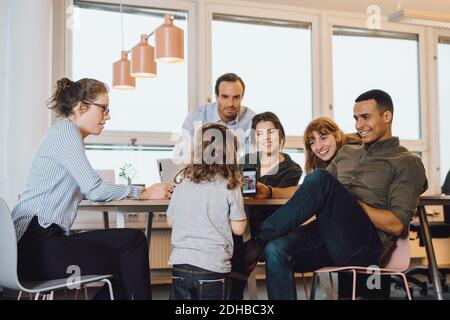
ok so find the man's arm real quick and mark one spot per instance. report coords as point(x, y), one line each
point(409, 183)
point(384, 220)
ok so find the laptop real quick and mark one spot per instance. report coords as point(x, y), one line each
point(168, 169)
point(107, 174)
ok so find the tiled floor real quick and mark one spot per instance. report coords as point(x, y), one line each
point(323, 292)
point(161, 292)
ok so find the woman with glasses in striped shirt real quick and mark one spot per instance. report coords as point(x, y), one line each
point(60, 177)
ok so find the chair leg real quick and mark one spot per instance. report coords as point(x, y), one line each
point(305, 286)
point(406, 285)
point(106, 219)
point(36, 297)
point(354, 285)
point(50, 296)
point(19, 295)
point(76, 294)
point(85, 292)
point(423, 285)
point(312, 295)
point(111, 294)
point(333, 292)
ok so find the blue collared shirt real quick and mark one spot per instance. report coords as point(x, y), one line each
point(209, 113)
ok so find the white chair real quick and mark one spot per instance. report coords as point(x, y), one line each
point(8, 265)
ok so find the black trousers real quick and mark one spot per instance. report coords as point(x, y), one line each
point(47, 253)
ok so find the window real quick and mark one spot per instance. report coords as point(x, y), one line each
point(444, 104)
point(365, 60)
point(273, 58)
point(142, 159)
point(157, 104)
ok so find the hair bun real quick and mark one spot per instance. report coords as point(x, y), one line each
point(64, 83)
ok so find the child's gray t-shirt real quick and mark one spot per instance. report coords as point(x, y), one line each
point(201, 230)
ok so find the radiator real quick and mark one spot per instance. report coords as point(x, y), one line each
point(160, 248)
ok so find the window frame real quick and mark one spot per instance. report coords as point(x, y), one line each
point(433, 36)
point(150, 138)
point(413, 143)
point(269, 12)
point(421, 145)
point(358, 23)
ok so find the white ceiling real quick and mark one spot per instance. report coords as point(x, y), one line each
point(360, 6)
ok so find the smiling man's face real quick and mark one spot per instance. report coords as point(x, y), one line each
point(372, 124)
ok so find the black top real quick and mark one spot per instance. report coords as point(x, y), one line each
point(286, 174)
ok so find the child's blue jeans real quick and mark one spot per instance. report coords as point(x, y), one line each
point(194, 283)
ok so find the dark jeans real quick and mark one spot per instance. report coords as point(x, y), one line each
point(341, 235)
point(47, 253)
point(194, 283)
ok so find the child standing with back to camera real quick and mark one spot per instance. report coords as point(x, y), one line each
point(205, 209)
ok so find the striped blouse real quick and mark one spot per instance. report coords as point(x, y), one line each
point(60, 177)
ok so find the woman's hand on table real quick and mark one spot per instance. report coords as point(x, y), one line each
point(157, 191)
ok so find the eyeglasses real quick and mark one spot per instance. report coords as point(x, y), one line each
point(104, 107)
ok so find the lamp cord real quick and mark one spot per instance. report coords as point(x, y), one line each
point(150, 34)
point(121, 24)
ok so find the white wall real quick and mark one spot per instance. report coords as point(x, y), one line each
point(3, 92)
point(25, 85)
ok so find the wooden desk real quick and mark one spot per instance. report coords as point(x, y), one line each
point(426, 236)
point(150, 206)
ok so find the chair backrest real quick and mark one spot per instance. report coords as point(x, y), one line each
point(400, 257)
point(8, 249)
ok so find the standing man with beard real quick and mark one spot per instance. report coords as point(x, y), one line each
point(227, 110)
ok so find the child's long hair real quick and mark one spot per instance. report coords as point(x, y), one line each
point(213, 153)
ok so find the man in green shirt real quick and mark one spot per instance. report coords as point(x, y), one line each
point(362, 201)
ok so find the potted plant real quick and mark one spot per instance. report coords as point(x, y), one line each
point(127, 172)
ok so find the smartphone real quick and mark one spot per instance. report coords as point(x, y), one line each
point(249, 181)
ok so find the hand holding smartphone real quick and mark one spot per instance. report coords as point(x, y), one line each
point(249, 181)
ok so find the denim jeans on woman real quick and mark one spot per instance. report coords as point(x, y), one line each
point(341, 235)
point(194, 283)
